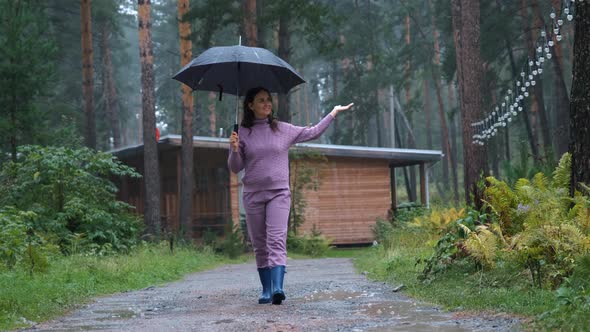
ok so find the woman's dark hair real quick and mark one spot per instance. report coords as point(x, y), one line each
point(248, 120)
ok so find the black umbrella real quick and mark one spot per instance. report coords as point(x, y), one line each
point(236, 69)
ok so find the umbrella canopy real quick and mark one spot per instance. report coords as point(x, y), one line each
point(236, 69)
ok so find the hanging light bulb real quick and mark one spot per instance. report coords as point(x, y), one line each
point(535, 72)
point(509, 119)
point(541, 59)
point(559, 37)
point(504, 104)
point(550, 43)
point(552, 15)
point(527, 84)
point(520, 108)
point(540, 70)
point(560, 22)
point(517, 83)
point(566, 10)
point(523, 89)
point(570, 17)
point(533, 82)
point(522, 74)
point(531, 63)
point(526, 94)
point(549, 56)
point(509, 91)
point(539, 49)
point(530, 76)
point(538, 63)
point(556, 30)
point(546, 49)
point(543, 33)
point(514, 113)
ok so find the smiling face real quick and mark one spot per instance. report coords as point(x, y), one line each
point(262, 105)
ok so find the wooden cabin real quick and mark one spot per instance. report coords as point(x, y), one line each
point(355, 186)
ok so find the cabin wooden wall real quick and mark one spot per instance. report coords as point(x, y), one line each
point(211, 200)
point(353, 193)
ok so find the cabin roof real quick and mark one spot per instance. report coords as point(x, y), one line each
point(398, 157)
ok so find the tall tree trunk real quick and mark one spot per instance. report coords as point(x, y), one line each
point(530, 108)
point(562, 102)
point(453, 141)
point(261, 27)
point(408, 67)
point(87, 73)
point(410, 185)
point(427, 111)
point(466, 33)
point(110, 91)
point(186, 160)
point(284, 113)
point(538, 89)
point(151, 162)
point(580, 105)
point(525, 112)
point(250, 27)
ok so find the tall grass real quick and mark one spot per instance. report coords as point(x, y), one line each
point(462, 287)
point(73, 280)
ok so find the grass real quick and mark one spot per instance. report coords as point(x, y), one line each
point(462, 287)
point(72, 281)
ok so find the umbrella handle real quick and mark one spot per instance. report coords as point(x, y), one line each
point(236, 126)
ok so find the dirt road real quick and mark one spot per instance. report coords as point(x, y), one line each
point(322, 295)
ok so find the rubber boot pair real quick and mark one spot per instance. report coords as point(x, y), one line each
point(272, 284)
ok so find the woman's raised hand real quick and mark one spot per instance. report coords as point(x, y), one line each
point(338, 108)
point(234, 141)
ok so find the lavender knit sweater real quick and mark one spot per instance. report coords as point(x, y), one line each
point(264, 154)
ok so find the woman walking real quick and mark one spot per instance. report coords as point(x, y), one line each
point(261, 149)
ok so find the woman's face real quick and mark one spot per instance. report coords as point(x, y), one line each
point(262, 105)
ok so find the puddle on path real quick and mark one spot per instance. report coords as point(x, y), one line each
point(335, 296)
point(403, 315)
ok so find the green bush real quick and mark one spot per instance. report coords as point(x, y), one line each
point(20, 245)
point(313, 244)
point(231, 245)
point(383, 232)
point(573, 296)
point(70, 192)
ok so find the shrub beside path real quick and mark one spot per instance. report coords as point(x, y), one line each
point(322, 295)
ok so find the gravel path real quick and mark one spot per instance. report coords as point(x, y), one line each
point(322, 295)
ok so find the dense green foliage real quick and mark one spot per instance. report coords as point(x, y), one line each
point(65, 197)
point(533, 238)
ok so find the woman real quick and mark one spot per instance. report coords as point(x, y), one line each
point(261, 148)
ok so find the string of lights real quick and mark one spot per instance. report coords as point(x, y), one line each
point(512, 103)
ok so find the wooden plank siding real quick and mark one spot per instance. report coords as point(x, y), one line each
point(353, 193)
point(211, 200)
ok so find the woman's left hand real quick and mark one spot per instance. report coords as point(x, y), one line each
point(338, 108)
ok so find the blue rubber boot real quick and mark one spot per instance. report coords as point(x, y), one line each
point(265, 280)
point(277, 274)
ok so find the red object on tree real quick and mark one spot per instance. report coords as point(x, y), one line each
point(157, 134)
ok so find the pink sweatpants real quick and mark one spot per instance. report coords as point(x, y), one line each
point(267, 215)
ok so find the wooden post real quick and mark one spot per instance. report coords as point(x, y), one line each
point(423, 185)
point(393, 188)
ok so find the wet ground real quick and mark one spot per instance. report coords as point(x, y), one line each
point(322, 295)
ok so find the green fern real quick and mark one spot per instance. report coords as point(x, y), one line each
point(482, 246)
point(562, 173)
